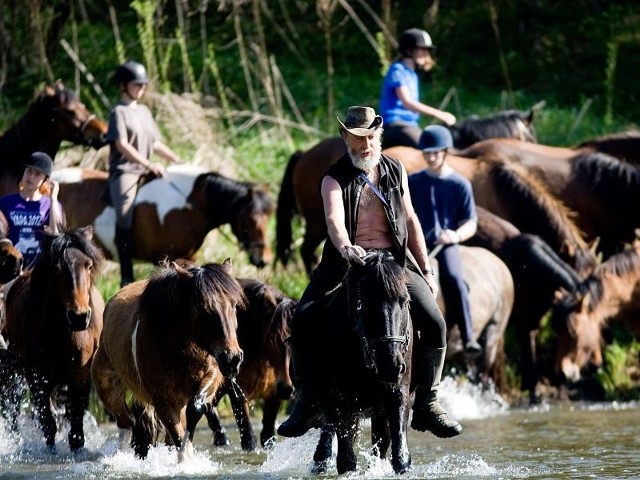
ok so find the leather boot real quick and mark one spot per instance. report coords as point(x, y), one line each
point(428, 414)
point(124, 244)
point(307, 412)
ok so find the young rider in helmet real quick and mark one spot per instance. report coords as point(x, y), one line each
point(133, 136)
point(32, 208)
point(443, 201)
point(400, 104)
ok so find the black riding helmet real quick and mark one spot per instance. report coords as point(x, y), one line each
point(40, 161)
point(414, 38)
point(131, 71)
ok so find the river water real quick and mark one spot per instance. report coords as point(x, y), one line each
point(560, 441)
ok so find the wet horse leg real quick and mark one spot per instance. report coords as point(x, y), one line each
point(380, 435)
point(220, 438)
point(41, 390)
point(77, 405)
point(270, 409)
point(324, 449)
point(240, 406)
point(347, 433)
point(12, 388)
point(178, 435)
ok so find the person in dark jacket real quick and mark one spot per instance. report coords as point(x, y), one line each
point(375, 212)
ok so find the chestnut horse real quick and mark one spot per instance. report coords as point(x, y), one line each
point(55, 115)
point(173, 215)
point(263, 328)
point(603, 191)
point(610, 293)
point(166, 341)
point(500, 186)
point(54, 320)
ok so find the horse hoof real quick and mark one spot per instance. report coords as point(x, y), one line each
point(249, 445)
point(269, 443)
point(320, 467)
point(220, 439)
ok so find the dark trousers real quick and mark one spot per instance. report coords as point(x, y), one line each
point(400, 134)
point(455, 290)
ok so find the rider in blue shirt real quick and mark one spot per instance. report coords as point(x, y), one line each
point(443, 201)
point(400, 104)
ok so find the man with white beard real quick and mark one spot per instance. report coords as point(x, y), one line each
point(367, 205)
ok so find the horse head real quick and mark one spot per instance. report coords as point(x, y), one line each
point(579, 333)
point(70, 118)
point(249, 223)
point(379, 302)
point(10, 261)
point(213, 296)
point(74, 261)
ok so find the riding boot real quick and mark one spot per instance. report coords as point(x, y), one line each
point(124, 244)
point(307, 412)
point(428, 414)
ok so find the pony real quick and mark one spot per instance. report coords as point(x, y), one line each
point(369, 364)
point(53, 326)
point(602, 191)
point(500, 186)
point(263, 329)
point(167, 340)
point(505, 124)
point(611, 292)
point(173, 215)
point(55, 115)
point(491, 297)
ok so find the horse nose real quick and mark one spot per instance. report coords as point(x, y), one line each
point(78, 321)
point(229, 362)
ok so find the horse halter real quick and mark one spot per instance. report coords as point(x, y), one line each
point(369, 345)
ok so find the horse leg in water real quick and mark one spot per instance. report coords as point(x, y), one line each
point(240, 406)
point(41, 390)
point(12, 388)
point(220, 437)
point(324, 450)
point(380, 436)
point(347, 432)
point(270, 409)
point(77, 404)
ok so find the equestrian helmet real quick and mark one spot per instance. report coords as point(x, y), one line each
point(435, 138)
point(414, 38)
point(131, 71)
point(41, 162)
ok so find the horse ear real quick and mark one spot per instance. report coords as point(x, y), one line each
point(87, 232)
point(593, 246)
point(228, 266)
point(584, 302)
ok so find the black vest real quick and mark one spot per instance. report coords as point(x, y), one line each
point(391, 188)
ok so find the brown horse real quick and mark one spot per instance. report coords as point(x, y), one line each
point(54, 320)
point(263, 328)
point(166, 341)
point(603, 191)
point(623, 145)
point(500, 186)
point(491, 294)
point(174, 214)
point(55, 115)
point(611, 292)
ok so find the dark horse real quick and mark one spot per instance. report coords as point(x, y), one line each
point(368, 363)
point(167, 341)
point(54, 321)
point(505, 124)
point(263, 328)
point(173, 215)
point(55, 115)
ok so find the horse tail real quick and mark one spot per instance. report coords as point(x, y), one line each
point(285, 211)
point(547, 215)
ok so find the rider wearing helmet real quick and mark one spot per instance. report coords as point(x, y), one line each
point(443, 201)
point(400, 104)
point(32, 208)
point(134, 137)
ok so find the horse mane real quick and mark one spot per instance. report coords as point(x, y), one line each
point(380, 265)
point(172, 285)
point(617, 183)
point(236, 192)
point(546, 212)
point(58, 244)
point(505, 124)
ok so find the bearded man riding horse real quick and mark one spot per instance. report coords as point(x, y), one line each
point(367, 206)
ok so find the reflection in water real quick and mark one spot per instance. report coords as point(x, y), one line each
point(557, 441)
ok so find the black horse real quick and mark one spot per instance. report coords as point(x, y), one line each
point(505, 124)
point(369, 363)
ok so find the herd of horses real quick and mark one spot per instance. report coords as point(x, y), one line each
point(163, 351)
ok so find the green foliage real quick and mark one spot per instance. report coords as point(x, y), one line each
point(619, 376)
